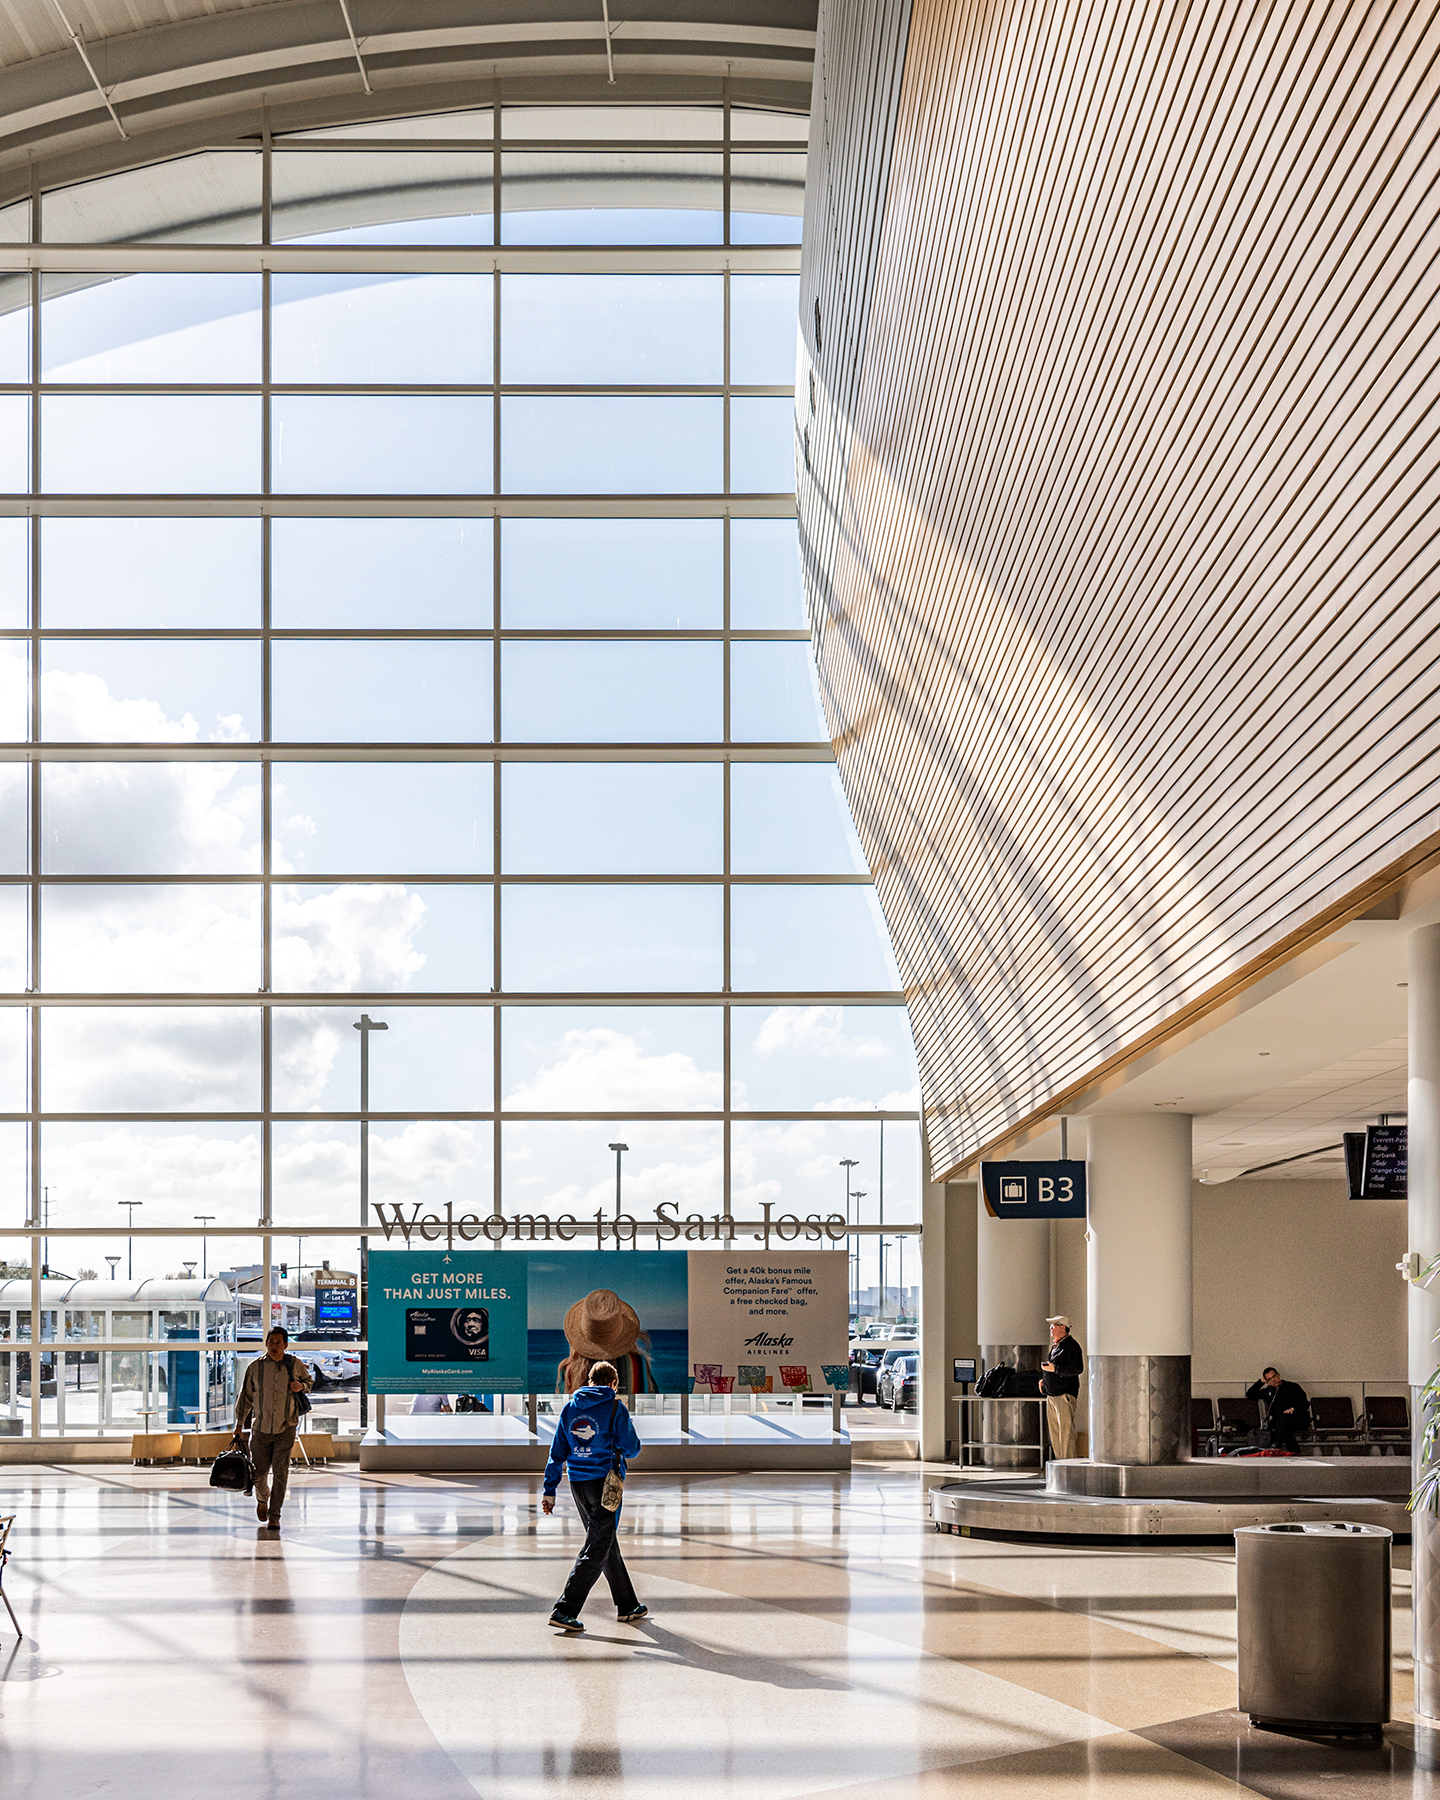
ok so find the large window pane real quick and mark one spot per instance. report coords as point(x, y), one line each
point(151, 1059)
point(598, 124)
point(381, 444)
point(136, 939)
point(762, 446)
point(383, 197)
point(430, 1059)
point(837, 1058)
point(613, 1058)
point(802, 1161)
point(14, 573)
point(613, 330)
point(626, 693)
point(429, 1161)
point(764, 325)
point(107, 690)
point(767, 588)
point(611, 939)
point(612, 197)
point(767, 196)
point(150, 328)
point(381, 936)
point(14, 819)
point(14, 444)
point(171, 1170)
point(478, 122)
point(791, 819)
point(382, 329)
point(14, 1062)
point(383, 818)
point(150, 573)
point(616, 574)
point(114, 818)
point(775, 695)
point(14, 939)
point(365, 574)
point(612, 818)
point(820, 939)
point(209, 198)
point(554, 1169)
point(150, 443)
point(14, 691)
point(376, 692)
point(627, 444)
point(14, 328)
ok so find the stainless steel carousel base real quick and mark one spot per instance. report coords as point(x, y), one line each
point(1027, 1509)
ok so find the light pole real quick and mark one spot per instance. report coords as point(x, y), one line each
point(857, 1197)
point(129, 1241)
point(847, 1163)
point(204, 1219)
point(902, 1278)
point(45, 1252)
point(619, 1150)
point(365, 1025)
point(112, 1260)
point(882, 1274)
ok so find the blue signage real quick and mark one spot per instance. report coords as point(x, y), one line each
point(1034, 1190)
point(446, 1322)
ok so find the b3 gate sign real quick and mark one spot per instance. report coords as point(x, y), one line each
point(1034, 1190)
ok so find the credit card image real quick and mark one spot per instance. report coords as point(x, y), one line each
point(458, 1334)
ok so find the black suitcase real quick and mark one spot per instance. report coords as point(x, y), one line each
point(233, 1470)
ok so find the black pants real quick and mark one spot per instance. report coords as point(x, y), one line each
point(1282, 1437)
point(600, 1552)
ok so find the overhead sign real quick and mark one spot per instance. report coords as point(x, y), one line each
point(1386, 1167)
point(337, 1307)
point(1034, 1190)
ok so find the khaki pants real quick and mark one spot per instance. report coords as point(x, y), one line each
point(1061, 1410)
point(270, 1452)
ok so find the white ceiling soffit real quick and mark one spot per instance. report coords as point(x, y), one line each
point(177, 73)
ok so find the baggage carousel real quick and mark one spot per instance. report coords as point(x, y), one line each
point(1197, 1502)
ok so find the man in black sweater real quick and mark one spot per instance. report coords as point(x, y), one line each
point(1287, 1409)
point(1060, 1381)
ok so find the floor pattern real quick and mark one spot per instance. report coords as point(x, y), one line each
point(810, 1636)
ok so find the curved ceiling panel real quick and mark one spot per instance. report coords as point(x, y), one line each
point(158, 77)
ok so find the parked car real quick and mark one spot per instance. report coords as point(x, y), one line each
point(337, 1365)
point(896, 1379)
point(864, 1367)
point(904, 1334)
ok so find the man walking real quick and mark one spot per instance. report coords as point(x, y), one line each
point(267, 1397)
point(1060, 1382)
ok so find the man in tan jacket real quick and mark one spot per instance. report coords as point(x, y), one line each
point(267, 1397)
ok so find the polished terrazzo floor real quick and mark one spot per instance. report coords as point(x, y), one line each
point(810, 1635)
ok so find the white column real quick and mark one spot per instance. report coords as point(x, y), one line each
point(1423, 1240)
point(1013, 1277)
point(1139, 1286)
point(934, 1397)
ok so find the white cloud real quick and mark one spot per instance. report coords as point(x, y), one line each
point(317, 1169)
point(78, 708)
point(148, 1059)
point(152, 818)
point(603, 1070)
point(149, 939)
point(813, 1031)
point(344, 939)
point(173, 1171)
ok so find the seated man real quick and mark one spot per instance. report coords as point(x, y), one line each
point(1287, 1409)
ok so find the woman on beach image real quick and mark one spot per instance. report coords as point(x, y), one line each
point(602, 1328)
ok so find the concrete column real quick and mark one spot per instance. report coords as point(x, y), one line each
point(1012, 1300)
point(1139, 1287)
point(934, 1348)
point(1423, 1106)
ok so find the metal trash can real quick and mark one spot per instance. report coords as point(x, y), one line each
point(1313, 1606)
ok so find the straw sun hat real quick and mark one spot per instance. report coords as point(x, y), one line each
point(602, 1325)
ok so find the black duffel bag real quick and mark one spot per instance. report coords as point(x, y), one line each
point(1023, 1384)
point(233, 1470)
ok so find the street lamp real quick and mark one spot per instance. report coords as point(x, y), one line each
point(619, 1150)
point(112, 1260)
point(204, 1219)
point(365, 1025)
point(190, 1271)
point(130, 1241)
point(45, 1252)
point(857, 1197)
point(852, 1252)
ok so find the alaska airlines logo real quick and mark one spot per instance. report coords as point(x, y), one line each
point(761, 1341)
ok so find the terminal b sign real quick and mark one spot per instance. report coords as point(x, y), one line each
point(1034, 1190)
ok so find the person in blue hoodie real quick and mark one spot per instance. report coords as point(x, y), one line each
point(594, 1432)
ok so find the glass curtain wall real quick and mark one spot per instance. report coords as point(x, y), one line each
point(412, 628)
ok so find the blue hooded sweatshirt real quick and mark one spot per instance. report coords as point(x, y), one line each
point(586, 1441)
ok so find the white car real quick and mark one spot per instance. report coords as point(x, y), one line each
point(337, 1365)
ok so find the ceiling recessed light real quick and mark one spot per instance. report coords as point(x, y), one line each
point(1264, 1053)
point(1402, 984)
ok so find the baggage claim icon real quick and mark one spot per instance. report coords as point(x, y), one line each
point(1013, 1190)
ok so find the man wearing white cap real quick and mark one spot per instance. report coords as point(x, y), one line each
point(1060, 1379)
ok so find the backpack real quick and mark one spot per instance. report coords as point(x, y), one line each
point(302, 1399)
point(991, 1384)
